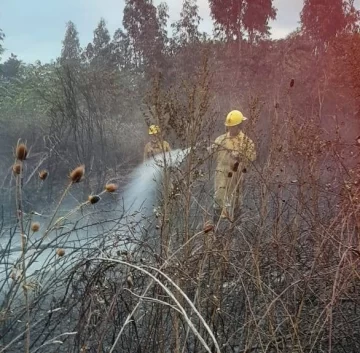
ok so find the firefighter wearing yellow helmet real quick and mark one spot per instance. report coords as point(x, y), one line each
point(233, 152)
point(156, 145)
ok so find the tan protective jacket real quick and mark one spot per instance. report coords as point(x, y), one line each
point(231, 152)
point(154, 148)
point(228, 149)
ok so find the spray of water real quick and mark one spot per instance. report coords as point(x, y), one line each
point(139, 196)
point(137, 203)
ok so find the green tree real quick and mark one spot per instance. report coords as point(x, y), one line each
point(24, 102)
point(145, 30)
point(234, 17)
point(227, 15)
point(88, 54)
point(121, 49)
point(101, 43)
point(10, 68)
point(352, 17)
point(2, 35)
point(257, 14)
point(323, 19)
point(70, 52)
point(187, 41)
point(186, 30)
point(99, 53)
point(162, 18)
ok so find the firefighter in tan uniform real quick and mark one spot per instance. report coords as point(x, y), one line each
point(233, 152)
point(156, 145)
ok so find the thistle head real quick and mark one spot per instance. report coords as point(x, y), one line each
point(43, 174)
point(111, 187)
point(93, 199)
point(35, 226)
point(21, 152)
point(235, 167)
point(16, 168)
point(208, 227)
point(60, 252)
point(77, 174)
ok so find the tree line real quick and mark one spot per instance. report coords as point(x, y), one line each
point(88, 105)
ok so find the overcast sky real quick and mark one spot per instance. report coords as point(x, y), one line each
point(34, 29)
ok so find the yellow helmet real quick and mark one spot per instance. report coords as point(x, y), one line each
point(154, 129)
point(234, 118)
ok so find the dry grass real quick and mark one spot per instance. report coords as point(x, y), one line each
point(283, 277)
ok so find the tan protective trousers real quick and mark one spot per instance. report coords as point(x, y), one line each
point(227, 192)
